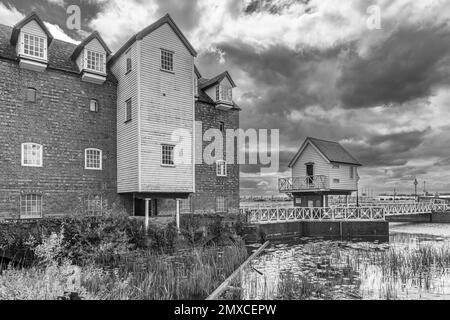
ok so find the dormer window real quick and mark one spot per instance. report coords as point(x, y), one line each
point(224, 93)
point(95, 61)
point(34, 46)
point(31, 39)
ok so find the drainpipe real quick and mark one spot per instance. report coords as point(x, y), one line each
point(178, 215)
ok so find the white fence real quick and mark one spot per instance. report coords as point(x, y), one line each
point(268, 215)
point(367, 213)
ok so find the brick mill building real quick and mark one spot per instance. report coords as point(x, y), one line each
point(83, 129)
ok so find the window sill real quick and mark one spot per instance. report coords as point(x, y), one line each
point(221, 176)
point(127, 121)
point(168, 71)
point(168, 165)
point(31, 166)
point(30, 217)
point(93, 169)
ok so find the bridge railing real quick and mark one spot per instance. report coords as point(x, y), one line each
point(272, 215)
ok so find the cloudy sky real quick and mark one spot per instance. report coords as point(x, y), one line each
point(309, 68)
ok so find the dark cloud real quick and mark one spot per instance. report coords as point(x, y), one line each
point(408, 65)
point(388, 150)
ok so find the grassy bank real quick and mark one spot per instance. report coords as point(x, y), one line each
point(111, 264)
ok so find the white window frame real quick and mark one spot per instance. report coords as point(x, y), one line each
point(23, 36)
point(335, 180)
point(128, 110)
point(86, 162)
point(101, 67)
point(38, 201)
point(30, 89)
point(221, 168)
point(128, 58)
point(94, 204)
point(36, 162)
point(336, 166)
point(164, 153)
point(224, 93)
point(221, 206)
point(96, 105)
point(166, 58)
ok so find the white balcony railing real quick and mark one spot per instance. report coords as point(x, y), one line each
point(303, 183)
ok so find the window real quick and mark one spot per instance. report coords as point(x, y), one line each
point(30, 206)
point(95, 61)
point(34, 46)
point(224, 93)
point(167, 155)
point(128, 110)
point(336, 166)
point(166, 60)
point(352, 173)
point(185, 205)
point(93, 107)
point(31, 155)
point(195, 86)
point(128, 61)
point(31, 95)
point(94, 205)
point(93, 159)
point(220, 204)
point(221, 168)
point(336, 181)
point(221, 126)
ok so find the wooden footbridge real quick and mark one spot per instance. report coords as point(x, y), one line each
point(384, 212)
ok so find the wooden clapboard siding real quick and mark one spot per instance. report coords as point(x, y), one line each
point(324, 167)
point(310, 154)
point(167, 105)
point(343, 174)
point(127, 133)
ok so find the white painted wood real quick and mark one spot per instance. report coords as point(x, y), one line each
point(322, 167)
point(166, 106)
point(127, 133)
point(147, 213)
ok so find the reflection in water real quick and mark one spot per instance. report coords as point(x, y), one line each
point(410, 266)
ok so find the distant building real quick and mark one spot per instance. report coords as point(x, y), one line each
point(320, 168)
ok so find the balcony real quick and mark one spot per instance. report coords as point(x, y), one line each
point(311, 183)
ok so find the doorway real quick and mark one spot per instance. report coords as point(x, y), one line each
point(139, 207)
point(310, 172)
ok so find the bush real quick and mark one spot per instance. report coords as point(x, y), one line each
point(85, 237)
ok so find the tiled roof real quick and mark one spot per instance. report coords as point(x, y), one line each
point(59, 52)
point(206, 83)
point(331, 150)
point(143, 33)
point(203, 96)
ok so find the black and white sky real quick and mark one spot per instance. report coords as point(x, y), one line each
point(309, 68)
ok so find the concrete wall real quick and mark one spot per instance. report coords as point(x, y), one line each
point(349, 230)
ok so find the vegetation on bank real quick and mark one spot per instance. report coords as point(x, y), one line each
point(112, 257)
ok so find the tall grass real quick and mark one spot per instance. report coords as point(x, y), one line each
point(137, 274)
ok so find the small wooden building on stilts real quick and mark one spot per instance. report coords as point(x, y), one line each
point(320, 168)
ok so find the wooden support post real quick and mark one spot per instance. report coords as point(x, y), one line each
point(147, 214)
point(178, 215)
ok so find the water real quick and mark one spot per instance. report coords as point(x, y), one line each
point(415, 264)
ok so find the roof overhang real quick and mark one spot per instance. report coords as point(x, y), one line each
point(92, 36)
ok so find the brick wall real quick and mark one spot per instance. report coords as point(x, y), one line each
point(59, 120)
point(208, 185)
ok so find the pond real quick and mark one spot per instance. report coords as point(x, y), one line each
point(415, 264)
